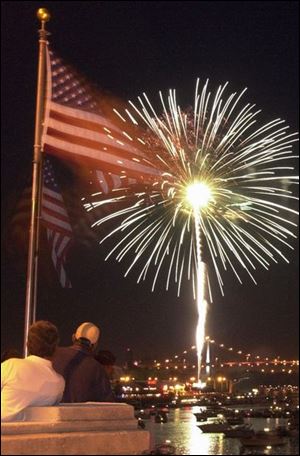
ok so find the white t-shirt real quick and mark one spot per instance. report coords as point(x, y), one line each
point(28, 382)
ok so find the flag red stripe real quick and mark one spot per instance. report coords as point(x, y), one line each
point(120, 152)
point(60, 219)
point(96, 127)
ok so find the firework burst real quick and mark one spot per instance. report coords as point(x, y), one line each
point(225, 184)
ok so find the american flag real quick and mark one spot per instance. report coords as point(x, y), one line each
point(76, 128)
point(56, 220)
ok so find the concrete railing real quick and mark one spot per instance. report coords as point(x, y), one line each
point(79, 429)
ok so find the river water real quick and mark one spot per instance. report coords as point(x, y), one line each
point(183, 433)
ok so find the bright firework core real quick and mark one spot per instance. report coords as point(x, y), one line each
point(198, 195)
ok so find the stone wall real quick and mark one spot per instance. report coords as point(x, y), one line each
point(75, 429)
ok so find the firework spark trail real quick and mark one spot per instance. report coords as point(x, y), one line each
point(247, 219)
point(201, 301)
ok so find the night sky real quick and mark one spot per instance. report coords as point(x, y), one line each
point(126, 48)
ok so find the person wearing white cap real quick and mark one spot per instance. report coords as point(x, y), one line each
point(89, 332)
point(86, 380)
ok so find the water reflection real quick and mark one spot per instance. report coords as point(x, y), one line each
point(182, 431)
point(195, 445)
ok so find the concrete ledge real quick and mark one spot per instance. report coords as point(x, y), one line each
point(82, 429)
point(87, 411)
point(42, 427)
point(78, 443)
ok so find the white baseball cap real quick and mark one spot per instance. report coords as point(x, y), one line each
point(88, 331)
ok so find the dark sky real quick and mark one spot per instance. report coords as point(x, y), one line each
point(127, 48)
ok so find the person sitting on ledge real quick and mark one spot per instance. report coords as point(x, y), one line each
point(31, 381)
point(86, 380)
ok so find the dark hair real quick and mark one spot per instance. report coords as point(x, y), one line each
point(105, 357)
point(84, 341)
point(10, 353)
point(42, 339)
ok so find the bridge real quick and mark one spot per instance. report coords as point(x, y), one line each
point(219, 362)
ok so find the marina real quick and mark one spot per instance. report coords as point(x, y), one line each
point(182, 433)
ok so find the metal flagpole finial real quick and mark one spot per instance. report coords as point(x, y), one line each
point(43, 14)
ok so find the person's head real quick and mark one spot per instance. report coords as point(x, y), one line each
point(10, 353)
point(107, 360)
point(87, 334)
point(42, 339)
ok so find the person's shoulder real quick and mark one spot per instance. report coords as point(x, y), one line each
point(12, 365)
point(90, 361)
point(12, 362)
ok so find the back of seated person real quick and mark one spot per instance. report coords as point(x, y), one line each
point(31, 381)
point(86, 380)
point(107, 361)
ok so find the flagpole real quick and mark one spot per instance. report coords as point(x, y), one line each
point(33, 251)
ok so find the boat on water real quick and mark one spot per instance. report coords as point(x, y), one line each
point(164, 448)
point(142, 414)
point(235, 420)
point(217, 426)
point(203, 416)
point(243, 431)
point(161, 417)
point(141, 423)
point(209, 412)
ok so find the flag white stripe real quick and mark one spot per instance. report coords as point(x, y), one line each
point(56, 240)
point(56, 221)
point(63, 245)
point(102, 181)
point(54, 258)
point(55, 207)
point(62, 276)
point(53, 194)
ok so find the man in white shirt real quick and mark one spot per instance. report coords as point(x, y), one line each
point(31, 381)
